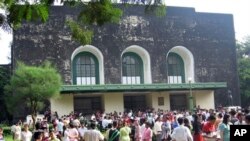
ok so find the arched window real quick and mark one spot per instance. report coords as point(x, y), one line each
point(132, 68)
point(175, 66)
point(86, 69)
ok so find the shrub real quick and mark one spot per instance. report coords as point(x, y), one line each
point(6, 130)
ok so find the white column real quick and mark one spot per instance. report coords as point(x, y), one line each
point(63, 105)
point(113, 102)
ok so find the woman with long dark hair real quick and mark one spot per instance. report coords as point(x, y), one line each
point(197, 128)
point(224, 128)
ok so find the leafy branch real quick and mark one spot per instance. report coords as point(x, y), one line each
point(80, 33)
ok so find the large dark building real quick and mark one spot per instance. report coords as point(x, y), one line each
point(144, 61)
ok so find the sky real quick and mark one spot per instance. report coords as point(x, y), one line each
point(239, 8)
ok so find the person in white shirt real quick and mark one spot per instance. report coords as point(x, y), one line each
point(92, 134)
point(105, 123)
point(26, 135)
point(60, 127)
point(12, 128)
point(189, 117)
point(93, 117)
point(157, 129)
point(82, 130)
point(181, 133)
point(130, 114)
point(17, 132)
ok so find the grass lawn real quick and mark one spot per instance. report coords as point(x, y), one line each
point(8, 138)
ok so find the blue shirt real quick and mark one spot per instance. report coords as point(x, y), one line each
point(226, 131)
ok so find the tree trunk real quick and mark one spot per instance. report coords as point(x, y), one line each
point(33, 112)
point(34, 120)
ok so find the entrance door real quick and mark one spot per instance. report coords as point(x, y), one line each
point(87, 105)
point(178, 102)
point(135, 103)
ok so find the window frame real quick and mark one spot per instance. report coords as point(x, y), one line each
point(180, 66)
point(141, 67)
point(85, 53)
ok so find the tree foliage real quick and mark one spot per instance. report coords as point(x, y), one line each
point(4, 80)
point(80, 32)
point(94, 12)
point(99, 12)
point(243, 52)
point(32, 85)
point(20, 11)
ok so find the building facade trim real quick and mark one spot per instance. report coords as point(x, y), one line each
point(139, 87)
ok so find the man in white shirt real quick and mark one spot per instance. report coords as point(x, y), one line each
point(181, 133)
point(26, 135)
point(105, 122)
point(92, 134)
point(157, 129)
point(60, 127)
point(82, 130)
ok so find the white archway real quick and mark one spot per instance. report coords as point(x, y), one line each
point(145, 59)
point(98, 54)
point(188, 60)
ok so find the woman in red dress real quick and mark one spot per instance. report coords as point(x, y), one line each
point(209, 129)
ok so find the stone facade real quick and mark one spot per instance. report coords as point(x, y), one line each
point(210, 38)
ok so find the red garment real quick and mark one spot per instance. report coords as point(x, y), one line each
point(198, 137)
point(208, 127)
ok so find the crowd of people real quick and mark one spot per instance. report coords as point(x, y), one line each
point(148, 125)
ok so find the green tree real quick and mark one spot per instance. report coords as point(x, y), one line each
point(32, 85)
point(4, 80)
point(243, 52)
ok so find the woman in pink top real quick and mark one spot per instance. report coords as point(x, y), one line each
point(72, 133)
point(147, 133)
